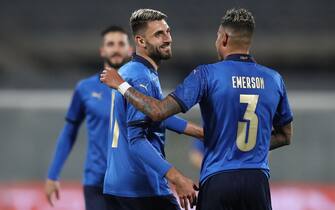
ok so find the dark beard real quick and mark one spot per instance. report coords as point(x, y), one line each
point(155, 54)
point(116, 65)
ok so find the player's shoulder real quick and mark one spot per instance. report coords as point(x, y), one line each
point(208, 69)
point(87, 82)
point(201, 69)
point(214, 65)
point(134, 71)
point(205, 70)
point(269, 71)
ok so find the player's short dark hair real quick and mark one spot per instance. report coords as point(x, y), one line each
point(140, 18)
point(240, 20)
point(113, 28)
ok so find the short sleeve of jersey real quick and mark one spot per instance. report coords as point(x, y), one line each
point(135, 117)
point(76, 111)
point(192, 90)
point(283, 113)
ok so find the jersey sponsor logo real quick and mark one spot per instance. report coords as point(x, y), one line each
point(96, 95)
point(248, 82)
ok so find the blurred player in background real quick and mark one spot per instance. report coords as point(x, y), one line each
point(240, 102)
point(137, 168)
point(91, 100)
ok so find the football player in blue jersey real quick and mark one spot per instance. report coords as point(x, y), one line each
point(91, 100)
point(137, 172)
point(245, 110)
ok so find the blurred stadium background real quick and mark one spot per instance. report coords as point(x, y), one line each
point(47, 46)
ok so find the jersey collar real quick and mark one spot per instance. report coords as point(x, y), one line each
point(240, 57)
point(140, 59)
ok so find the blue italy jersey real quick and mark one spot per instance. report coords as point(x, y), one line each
point(136, 160)
point(91, 100)
point(240, 101)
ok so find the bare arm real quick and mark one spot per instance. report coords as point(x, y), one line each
point(194, 130)
point(155, 109)
point(181, 126)
point(281, 136)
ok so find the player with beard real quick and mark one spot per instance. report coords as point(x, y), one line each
point(91, 100)
point(137, 172)
point(245, 110)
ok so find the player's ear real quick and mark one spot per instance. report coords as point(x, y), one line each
point(225, 38)
point(139, 40)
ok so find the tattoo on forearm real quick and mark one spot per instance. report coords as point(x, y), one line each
point(157, 110)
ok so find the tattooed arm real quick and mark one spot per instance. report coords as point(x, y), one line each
point(155, 109)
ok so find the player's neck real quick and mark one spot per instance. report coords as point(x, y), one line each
point(231, 52)
point(151, 61)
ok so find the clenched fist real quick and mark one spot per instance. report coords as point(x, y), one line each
point(111, 78)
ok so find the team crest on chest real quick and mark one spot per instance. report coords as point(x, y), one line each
point(97, 95)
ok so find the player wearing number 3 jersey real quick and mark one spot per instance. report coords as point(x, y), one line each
point(245, 111)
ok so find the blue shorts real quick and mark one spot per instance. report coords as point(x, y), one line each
point(168, 202)
point(245, 189)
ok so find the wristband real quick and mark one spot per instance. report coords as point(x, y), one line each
point(123, 88)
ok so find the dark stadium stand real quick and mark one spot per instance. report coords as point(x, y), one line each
point(40, 37)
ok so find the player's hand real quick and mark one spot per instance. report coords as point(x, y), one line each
point(185, 188)
point(52, 188)
point(111, 78)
